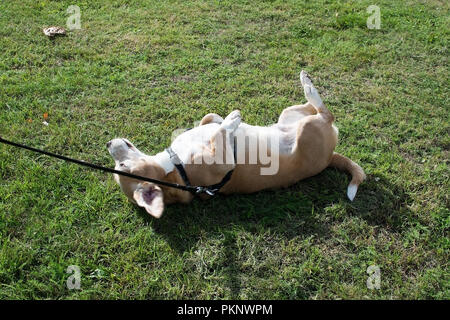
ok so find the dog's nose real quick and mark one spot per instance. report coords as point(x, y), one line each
point(108, 144)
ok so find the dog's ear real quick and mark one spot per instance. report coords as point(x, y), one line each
point(150, 196)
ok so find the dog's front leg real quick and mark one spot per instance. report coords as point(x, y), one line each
point(211, 118)
point(222, 141)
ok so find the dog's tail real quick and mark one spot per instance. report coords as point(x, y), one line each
point(345, 164)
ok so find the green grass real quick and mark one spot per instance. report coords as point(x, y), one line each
point(141, 69)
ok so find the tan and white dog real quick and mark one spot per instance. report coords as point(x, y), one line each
point(301, 144)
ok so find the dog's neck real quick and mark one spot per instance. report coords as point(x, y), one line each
point(171, 195)
point(163, 160)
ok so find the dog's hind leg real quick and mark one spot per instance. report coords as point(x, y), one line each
point(295, 113)
point(314, 106)
point(313, 97)
point(211, 118)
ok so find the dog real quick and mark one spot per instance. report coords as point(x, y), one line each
point(301, 145)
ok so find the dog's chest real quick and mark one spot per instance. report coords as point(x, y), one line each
point(193, 141)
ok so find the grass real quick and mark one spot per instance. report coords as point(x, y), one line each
point(141, 69)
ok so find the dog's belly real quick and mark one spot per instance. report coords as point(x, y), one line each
point(250, 144)
point(194, 141)
point(283, 136)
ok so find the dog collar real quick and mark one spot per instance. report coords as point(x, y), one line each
point(210, 190)
point(177, 163)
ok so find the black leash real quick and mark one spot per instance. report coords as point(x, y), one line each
point(211, 190)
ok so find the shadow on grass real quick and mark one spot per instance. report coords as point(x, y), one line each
point(309, 208)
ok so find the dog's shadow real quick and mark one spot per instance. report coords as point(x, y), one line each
point(310, 207)
point(297, 210)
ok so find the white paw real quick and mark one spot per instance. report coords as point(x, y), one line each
point(304, 78)
point(232, 121)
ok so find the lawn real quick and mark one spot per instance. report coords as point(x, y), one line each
point(142, 69)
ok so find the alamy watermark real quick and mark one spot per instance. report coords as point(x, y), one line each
point(374, 20)
point(74, 20)
point(374, 279)
point(235, 147)
point(74, 281)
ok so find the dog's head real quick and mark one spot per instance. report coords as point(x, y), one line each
point(129, 159)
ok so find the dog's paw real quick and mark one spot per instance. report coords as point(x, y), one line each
point(304, 78)
point(307, 84)
point(232, 121)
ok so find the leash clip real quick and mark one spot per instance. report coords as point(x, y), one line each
point(205, 190)
point(210, 192)
point(200, 190)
